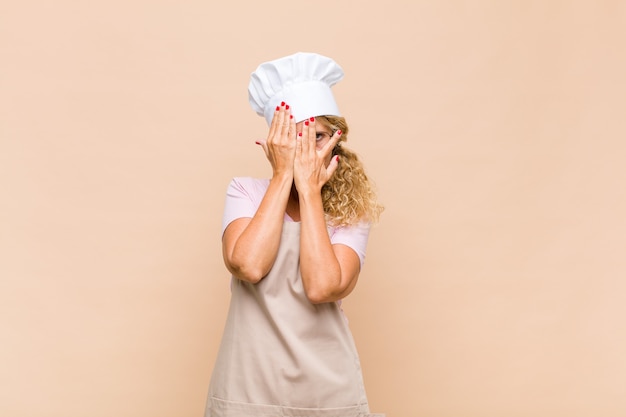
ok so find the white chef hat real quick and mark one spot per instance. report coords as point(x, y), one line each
point(302, 80)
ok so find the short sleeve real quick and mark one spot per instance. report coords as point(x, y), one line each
point(354, 236)
point(243, 198)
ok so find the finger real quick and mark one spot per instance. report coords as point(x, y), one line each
point(263, 144)
point(309, 134)
point(291, 133)
point(313, 133)
point(332, 167)
point(280, 119)
point(330, 145)
point(286, 120)
point(299, 145)
point(274, 124)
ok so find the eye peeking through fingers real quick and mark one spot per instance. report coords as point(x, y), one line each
point(319, 136)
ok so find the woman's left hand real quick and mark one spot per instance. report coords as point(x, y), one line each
point(313, 167)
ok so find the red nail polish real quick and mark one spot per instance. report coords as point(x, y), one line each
point(282, 103)
point(339, 132)
point(277, 108)
point(312, 119)
point(300, 134)
point(257, 142)
point(306, 123)
point(337, 158)
point(287, 107)
point(291, 116)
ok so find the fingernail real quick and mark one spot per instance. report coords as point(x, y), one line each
point(306, 123)
point(282, 103)
point(339, 132)
point(337, 158)
point(300, 134)
point(257, 142)
point(277, 108)
point(287, 107)
point(291, 116)
point(312, 119)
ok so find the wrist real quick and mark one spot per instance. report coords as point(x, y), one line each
point(308, 194)
point(282, 182)
point(283, 176)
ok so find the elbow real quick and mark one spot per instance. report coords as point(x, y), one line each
point(316, 298)
point(249, 277)
point(244, 272)
point(245, 269)
point(322, 295)
point(324, 289)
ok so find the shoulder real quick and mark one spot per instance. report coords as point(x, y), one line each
point(243, 196)
point(354, 236)
point(357, 231)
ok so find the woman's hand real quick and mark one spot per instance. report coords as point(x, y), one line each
point(250, 245)
point(329, 272)
point(313, 167)
point(280, 144)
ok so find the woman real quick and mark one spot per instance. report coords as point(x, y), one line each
point(295, 245)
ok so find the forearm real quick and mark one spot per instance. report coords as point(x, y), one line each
point(319, 266)
point(251, 257)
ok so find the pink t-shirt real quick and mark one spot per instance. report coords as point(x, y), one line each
point(244, 196)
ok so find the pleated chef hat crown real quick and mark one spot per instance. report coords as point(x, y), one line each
point(302, 80)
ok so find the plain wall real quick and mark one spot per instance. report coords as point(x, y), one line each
point(494, 284)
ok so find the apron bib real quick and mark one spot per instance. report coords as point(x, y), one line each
point(280, 355)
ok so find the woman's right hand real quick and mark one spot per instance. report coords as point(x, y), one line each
point(250, 245)
point(280, 145)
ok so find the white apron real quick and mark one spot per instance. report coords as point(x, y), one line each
point(283, 356)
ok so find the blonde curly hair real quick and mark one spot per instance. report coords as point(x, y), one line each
point(349, 196)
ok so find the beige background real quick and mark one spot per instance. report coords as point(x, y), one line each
point(494, 285)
